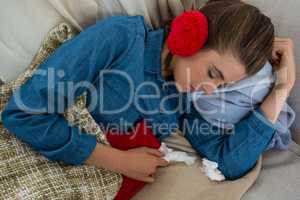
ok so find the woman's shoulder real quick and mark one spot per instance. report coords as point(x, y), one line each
point(123, 19)
point(121, 24)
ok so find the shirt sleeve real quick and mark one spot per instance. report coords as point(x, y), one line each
point(235, 151)
point(34, 113)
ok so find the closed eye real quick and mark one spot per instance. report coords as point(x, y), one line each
point(218, 73)
point(222, 85)
point(211, 74)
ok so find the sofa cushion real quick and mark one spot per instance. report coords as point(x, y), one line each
point(179, 181)
point(285, 16)
point(23, 27)
point(155, 12)
point(279, 178)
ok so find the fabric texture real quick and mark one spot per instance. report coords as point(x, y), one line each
point(23, 28)
point(101, 57)
point(13, 116)
point(231, 103)
point(25, 174)
point(141, 136)
point(236, 151)
point(245, 183)
point(155, 12)
point(179, 181)
point(26, 40)
point(19, 43)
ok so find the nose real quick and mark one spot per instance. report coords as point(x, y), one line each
point(210, 87)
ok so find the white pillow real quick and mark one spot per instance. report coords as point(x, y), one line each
point(25, 23)
point(23, 26)
point(81, 13)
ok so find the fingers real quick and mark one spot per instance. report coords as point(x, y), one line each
point(151, 151)
point(144, 178)
point(283, 43)
point(280, 39)
point(147, 179)
point(275, 58)
point(275, 55)
point(283, 47)
point(154, 152)
point(162, 162)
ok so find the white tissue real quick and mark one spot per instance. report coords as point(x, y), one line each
point(210, 169)
point(176, 156)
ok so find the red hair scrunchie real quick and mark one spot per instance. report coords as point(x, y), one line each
point(189, 33)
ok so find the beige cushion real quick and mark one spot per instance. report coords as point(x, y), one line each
point(179, 181)
point(90, 11)
point(279, 178)
point(24, 24)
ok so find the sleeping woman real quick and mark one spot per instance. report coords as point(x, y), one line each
point(130, 72)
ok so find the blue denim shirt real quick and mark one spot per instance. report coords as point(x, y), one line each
point(122, 45)
point(110, 60)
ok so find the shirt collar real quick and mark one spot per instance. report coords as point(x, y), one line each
point(152, 64)
point(153, 48)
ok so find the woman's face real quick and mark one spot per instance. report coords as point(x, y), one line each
point(206, 71)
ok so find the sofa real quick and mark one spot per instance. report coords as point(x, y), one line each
point(25, 23)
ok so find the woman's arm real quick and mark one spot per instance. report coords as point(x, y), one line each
point(39, 122)
point(283, 56)
point(34, 113)
point(138, 163)
point(237, 152)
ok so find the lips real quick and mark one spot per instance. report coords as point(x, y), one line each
point(192, 88)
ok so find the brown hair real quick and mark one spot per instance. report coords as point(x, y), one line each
point(242, 29)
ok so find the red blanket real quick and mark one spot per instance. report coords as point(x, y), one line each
point(142, 136)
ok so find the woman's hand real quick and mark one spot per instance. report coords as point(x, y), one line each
point(284, 62)
point(139, 164)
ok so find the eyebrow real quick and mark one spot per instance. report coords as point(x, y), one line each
point(220, 74)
